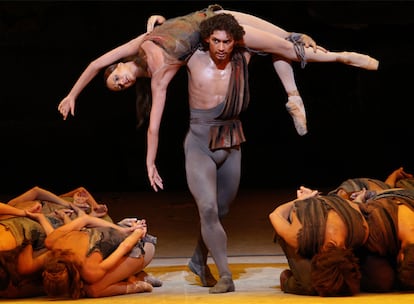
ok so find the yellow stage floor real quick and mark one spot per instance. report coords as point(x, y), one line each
point(256, 283)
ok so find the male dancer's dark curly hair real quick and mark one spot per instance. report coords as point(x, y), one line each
point(221, 22)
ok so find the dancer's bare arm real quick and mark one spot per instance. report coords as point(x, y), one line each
point(37, 193)
point(27, 263)
point(126, 246)
point(285, 223)
point(161, 75)
point(6, 209)
point(396, 175)
point(67, 105)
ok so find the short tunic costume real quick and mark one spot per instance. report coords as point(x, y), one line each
point(383, 245)
point(381, 213)
point(406, 183)
point(313, 212)
point(358, 184)
point(25, 229)
point(107, 239)
point(180, 37)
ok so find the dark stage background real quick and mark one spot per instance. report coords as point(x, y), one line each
point(360, 122)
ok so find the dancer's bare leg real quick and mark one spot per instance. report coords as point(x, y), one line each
point(256, 22)
point(261, 35)
point(273, 44)
point(114, 282)
point(294, 105)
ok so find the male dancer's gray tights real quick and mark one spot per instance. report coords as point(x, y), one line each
point(213, 178)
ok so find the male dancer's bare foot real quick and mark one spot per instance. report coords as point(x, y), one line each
point(359, 60)
point(296, 109)
point(224, 284)
point(204, 273)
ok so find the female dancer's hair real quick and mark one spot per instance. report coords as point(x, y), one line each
point(143, 93)
point(61, 276)
point(335, 272)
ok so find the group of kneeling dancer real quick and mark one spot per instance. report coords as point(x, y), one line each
point(358, 237)
point(68, 246)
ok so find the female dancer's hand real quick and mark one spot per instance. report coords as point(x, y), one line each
point(141, 225)
point(153, 21)
point(64, 214)
point(154, 178)
point(35, 215)
point(36, 208)
point(303, 192)
point(99, 211)
point(66, 106)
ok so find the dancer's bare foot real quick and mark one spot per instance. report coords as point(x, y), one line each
point(296, 109)
point(360, 60)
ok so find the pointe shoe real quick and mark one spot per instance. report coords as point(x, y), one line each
point(296, 109)
point(138, 286)
point(224, 284)
point(143, 276)
point(204, 273)
point(153, 281)
point(361, 61)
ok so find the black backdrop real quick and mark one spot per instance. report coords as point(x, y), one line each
point(360, 122)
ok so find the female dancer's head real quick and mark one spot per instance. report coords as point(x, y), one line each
point(123, 74)
point(61, 277)
point(119, 76)
point(132, 70)
point(8, 267)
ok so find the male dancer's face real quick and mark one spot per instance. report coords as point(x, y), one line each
point(221, 46)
